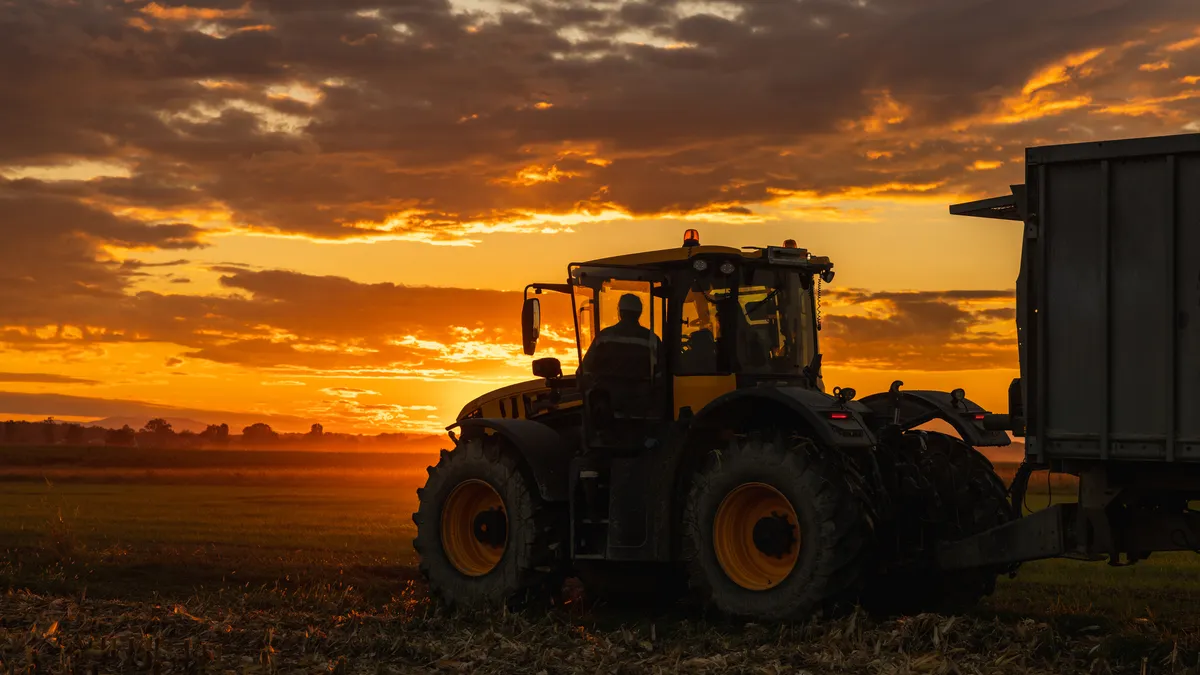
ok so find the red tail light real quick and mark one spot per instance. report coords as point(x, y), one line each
point(839, 416)
point(979, 416)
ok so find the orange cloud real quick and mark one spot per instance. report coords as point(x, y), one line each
point(1183, 45)
point(1041, 96)
point(986, 165)
point(185, 13)
point(886, 112)
point(1060, 72)
point(532, 175)
point(1148, 106)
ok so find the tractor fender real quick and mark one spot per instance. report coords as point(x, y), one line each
point(920, 406)
point(540, 447)
point(831, 423)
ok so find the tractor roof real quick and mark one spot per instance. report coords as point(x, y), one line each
point(669, 257)
point(789, 254)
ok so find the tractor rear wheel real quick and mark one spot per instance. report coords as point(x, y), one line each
point(970, 498)
point(484, 536)
point(773, 529)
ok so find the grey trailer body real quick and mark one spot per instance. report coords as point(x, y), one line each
point(1108, 319)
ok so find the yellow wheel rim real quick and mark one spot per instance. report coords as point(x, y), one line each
point(756, 536)
point(474, 528)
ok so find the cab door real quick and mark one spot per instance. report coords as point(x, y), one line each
point(624, 380)
point(622, 372)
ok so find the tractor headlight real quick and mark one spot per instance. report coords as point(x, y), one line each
point(700, 265)
point(726, 268)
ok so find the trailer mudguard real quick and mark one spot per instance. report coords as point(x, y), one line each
point(831, 423)
point(541, 448)
point(920, 406)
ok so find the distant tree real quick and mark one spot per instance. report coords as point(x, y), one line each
point(316, 431)
point(74, 435)
point(259, 433)
point(216, 433)
point(159, 427)
point(123, 436)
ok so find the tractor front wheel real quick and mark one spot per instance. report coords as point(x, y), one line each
point(484, 536)
point(773, 530)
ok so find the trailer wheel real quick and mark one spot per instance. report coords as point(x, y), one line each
point(484, 536)
point(772, 530)
point(971, 498)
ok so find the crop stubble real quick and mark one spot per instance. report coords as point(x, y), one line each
point(315, 575)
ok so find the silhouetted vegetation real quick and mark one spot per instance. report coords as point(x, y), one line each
point(160, 434)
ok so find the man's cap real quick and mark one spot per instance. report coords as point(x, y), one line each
point(629, 303)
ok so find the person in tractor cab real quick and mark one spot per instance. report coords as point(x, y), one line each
point(626, 347)
point(617, 375)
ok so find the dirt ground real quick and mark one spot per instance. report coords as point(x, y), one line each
point(313, 573)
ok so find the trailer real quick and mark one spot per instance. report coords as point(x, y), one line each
point(1108, 325)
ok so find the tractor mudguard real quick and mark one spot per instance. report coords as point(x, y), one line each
point(920, 406)
point(540, 447)
point(832, 424)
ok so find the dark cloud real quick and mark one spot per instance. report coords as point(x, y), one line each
point(999, 313)
point(20, 404)
point(924, 330)
point(278, 318)
point(47, 378)
point(323, 324)
point(52, 258)
point(415, 108)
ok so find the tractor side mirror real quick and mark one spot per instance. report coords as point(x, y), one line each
point(549, 368)
point(531, 324)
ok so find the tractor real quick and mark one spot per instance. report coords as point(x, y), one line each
point(701, 455)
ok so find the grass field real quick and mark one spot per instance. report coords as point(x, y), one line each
point(167, 564)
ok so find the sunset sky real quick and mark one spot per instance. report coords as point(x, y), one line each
point(324, 210)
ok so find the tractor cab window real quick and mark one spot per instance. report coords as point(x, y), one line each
point(585, 317)
point(620, 317)
point(702, 350)
point(774, 324)
point(759, 324)
point(626, 318)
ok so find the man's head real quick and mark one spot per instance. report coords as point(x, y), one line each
point(629, 307)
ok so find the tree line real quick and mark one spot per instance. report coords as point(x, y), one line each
point(159, 433)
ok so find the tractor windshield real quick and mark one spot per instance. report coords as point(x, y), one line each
point(775, 331)
point(765, 323)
